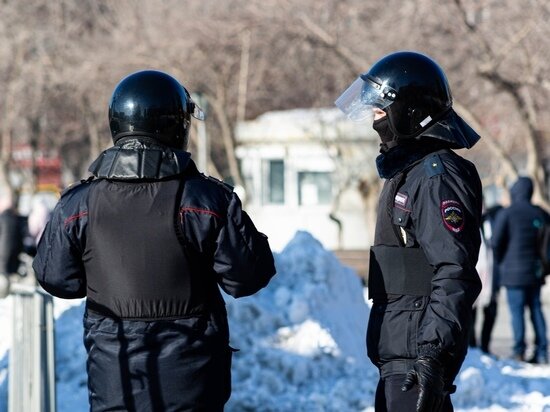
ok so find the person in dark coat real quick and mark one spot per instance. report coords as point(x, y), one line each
point(11, 241)
point(487, 300)
point(422, 276)
point(147, 239)
point(514, 241)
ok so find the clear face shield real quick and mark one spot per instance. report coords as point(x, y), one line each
point(193, 108)
point(196, 111)
point(362, 96)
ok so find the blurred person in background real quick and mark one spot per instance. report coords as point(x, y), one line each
point(487, 300)
point(12, 227)
point(147, 240)
point(422, 276)
point(516, 253)
point(39, 216)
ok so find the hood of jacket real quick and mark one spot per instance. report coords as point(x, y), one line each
point(139, 158)
point(522, 190)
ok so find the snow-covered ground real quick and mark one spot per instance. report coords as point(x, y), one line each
point(301, 344)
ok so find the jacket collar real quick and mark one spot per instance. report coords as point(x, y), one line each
point(139, 159)
point(404, 155)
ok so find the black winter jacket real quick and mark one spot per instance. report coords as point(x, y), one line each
point(148, 241)
point(11, 241)
point(515, 236)
point(430, 203)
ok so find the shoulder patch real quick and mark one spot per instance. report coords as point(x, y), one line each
point(226, 186)
point(452, 214)
point(433, 165)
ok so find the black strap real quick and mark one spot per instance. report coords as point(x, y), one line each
point(399, 271)
point(396, 367)
point(178, 219)
point(397, 180)
point(397, 184)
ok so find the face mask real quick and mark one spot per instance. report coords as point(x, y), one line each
point(382, 127)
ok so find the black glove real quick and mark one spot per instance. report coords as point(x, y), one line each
point(427, 372)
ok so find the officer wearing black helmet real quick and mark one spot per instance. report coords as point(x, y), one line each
point(422, 276)
point(147, 240)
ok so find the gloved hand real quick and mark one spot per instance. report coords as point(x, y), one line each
point(427, 372)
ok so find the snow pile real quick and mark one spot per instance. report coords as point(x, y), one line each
point(485, 383)
point(301, 348)
point(302, 339)
point(70, 356)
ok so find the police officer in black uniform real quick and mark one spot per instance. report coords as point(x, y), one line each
point(147, 240)
point(422, 276)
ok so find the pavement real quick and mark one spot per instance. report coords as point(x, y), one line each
point(502, 338)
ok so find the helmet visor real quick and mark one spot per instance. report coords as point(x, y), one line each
point(362, 96)
point(197, 112)
point(195, 109)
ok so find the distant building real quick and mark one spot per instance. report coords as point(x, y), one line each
point(302, 168)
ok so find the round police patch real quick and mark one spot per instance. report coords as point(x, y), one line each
point(453, 216)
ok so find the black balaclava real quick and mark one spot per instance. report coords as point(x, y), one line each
point(387, 137)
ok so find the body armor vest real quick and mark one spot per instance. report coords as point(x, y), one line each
point(135, 261)
point(393, 268)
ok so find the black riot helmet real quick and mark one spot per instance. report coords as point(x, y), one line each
point(152, 104)
point(414, 92)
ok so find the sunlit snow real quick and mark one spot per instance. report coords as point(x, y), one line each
point(301, 347)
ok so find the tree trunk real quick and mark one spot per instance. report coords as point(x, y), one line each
point(228, 140)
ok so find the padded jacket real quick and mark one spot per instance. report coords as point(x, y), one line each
point(147, 240)
point(515, 238)
point(431, 205)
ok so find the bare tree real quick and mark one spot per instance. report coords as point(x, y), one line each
point(524, 81)
point(60, 60)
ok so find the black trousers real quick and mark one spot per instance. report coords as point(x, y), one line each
point(489, 319)
point(390, 398)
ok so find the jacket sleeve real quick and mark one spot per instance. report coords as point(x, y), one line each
point(447, 227)
point(58, 262)
point(242, 257)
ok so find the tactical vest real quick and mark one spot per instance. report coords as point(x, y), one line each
point(135, 260)
point(393, 268)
